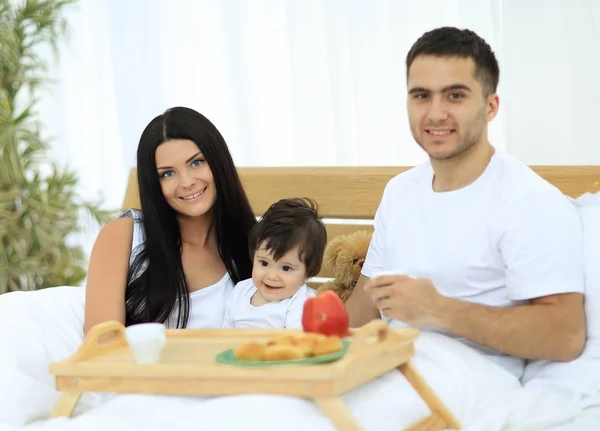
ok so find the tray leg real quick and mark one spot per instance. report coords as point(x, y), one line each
point(65, 405)
point(441, 416)
point(339, 414)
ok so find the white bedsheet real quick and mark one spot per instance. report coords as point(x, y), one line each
point(45, 326)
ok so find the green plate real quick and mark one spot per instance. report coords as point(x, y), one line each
point(226, 357)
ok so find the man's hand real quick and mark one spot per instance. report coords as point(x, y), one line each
point(414, 301)
point(551, 327)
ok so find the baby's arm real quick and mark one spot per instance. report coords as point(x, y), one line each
point(293, 316)
point(228, 322)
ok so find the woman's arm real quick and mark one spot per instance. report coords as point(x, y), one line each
point(107, 273)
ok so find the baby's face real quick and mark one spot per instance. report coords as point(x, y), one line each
point(278, 279)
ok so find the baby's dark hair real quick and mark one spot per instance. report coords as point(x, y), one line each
point(288, 223)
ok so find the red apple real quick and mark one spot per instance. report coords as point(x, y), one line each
point(325, 314)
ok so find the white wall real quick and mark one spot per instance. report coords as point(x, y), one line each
point(311, 82)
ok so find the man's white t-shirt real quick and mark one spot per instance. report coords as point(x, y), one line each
point(239, 313)
point(508, 237)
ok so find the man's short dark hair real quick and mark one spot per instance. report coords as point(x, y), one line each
point(453, 42)
point(288, 223)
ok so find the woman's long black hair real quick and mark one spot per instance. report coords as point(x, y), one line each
point(156, 283)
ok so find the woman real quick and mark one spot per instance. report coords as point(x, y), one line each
point(176, 260)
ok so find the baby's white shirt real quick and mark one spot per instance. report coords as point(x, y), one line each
point(287, 313)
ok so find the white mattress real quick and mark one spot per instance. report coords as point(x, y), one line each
point(482, 395)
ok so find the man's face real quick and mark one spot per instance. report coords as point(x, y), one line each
point(447, 109)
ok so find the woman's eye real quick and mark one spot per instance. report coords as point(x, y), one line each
point(197, 163)
point(166, 174)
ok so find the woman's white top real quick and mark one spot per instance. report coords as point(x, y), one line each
point(207, 305)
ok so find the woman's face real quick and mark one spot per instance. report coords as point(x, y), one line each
point(185, 178)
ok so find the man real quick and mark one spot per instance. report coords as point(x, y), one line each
point(483, 249)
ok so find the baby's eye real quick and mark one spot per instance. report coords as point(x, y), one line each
point(287, 268)
point(263, 262)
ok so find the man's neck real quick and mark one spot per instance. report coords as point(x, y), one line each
point(462, 170)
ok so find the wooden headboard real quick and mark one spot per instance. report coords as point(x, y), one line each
point(350, 195)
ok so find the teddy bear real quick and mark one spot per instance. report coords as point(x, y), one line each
point(345, 255)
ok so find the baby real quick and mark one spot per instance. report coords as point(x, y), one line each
point(287, 246)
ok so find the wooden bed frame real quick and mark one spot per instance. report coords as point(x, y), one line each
point(349, 196)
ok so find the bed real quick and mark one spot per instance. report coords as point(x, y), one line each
point(37, 328)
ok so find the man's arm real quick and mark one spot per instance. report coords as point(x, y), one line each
point(359, 305)
point(541, 245)
point(551, 327)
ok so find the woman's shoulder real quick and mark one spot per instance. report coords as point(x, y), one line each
point(136, 224)
point(117, 227)
point(112, 244)
point(130, 213)
point(122, 232)
point(116, 233)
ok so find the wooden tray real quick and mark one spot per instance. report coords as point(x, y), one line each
point(104, 363)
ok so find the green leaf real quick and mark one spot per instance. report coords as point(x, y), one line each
point(40, 208)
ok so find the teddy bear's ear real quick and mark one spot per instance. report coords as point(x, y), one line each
point(364, 238)
point(333, 250)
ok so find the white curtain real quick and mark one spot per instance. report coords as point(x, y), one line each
point(310, 82)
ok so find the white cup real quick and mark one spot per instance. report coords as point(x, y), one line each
point(146, 341)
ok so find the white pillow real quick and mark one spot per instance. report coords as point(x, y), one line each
point(582, 375)
point(36, 329)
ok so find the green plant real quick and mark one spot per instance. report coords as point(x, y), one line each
point(40, 209)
